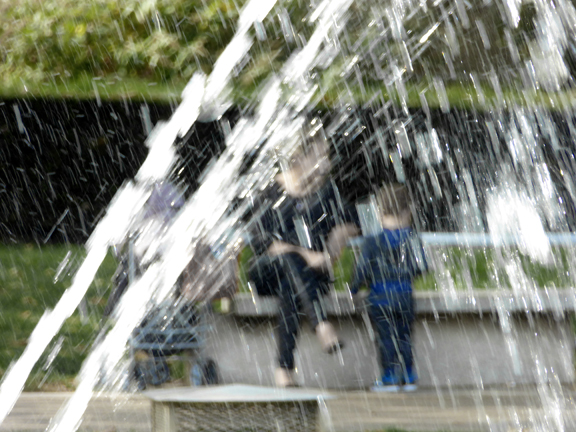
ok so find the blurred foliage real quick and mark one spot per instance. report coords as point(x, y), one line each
point(464, 268)
point(244, 259)
point(156, 41)
point(490, 268)
point(59, 42)
point(126, 47)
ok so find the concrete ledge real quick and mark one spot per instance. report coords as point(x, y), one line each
point(544, 301)
point(466, 339)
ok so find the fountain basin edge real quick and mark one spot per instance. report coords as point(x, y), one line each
point(471, 339)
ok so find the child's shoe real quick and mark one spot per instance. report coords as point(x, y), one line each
point(328, 337)
point(380, 387)
point(410, 380)
point(284, 378)
point(390, 383)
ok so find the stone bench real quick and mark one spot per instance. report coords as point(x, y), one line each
point(475, 338)
point(236, 408)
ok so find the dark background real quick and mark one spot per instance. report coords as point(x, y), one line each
point(62, 164)
point(59, 172)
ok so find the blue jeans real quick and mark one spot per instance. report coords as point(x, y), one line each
point(392, 321)
point(298, 288)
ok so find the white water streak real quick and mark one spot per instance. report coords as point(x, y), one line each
point(157, 165)
point(162, 155)
point(133, 308)
point(332, 19)
point(199, 214)
point(255, 10)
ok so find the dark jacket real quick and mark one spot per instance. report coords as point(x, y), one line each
point(301, 221)
point(389, 261)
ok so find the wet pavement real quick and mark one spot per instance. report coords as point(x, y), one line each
point(503, 409)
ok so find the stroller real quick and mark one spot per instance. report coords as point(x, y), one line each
point(173, 330)
point(177, 327)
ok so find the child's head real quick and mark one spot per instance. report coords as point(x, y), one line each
point(312, 157)
point(308, 165)
point(394, 203)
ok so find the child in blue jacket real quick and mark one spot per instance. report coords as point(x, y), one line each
point(389, 261)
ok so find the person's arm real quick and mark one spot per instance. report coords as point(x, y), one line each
point(419, 263)
point(338, 239)
point(347, 224)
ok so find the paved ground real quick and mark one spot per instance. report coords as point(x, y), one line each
point(496, 410)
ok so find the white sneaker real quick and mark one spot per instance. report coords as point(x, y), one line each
point(378, 387)
point(284, 378)
point(410, 388)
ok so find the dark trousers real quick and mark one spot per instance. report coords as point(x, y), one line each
point(299, 289)
point(392, 321)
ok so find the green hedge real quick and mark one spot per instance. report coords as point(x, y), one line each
point(152, 40)
point(466, 268)
point(119, 48)
point(127, 45)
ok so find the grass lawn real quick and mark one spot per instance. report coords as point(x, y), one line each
point(113, 88)
point(27, 288)
point(86, 88)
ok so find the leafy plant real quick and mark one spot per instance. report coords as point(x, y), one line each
point(73, 47)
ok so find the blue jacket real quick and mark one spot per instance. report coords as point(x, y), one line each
point(389, 261)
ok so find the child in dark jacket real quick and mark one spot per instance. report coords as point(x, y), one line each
point(389, 261)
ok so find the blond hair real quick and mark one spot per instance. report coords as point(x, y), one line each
point(394, 199)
